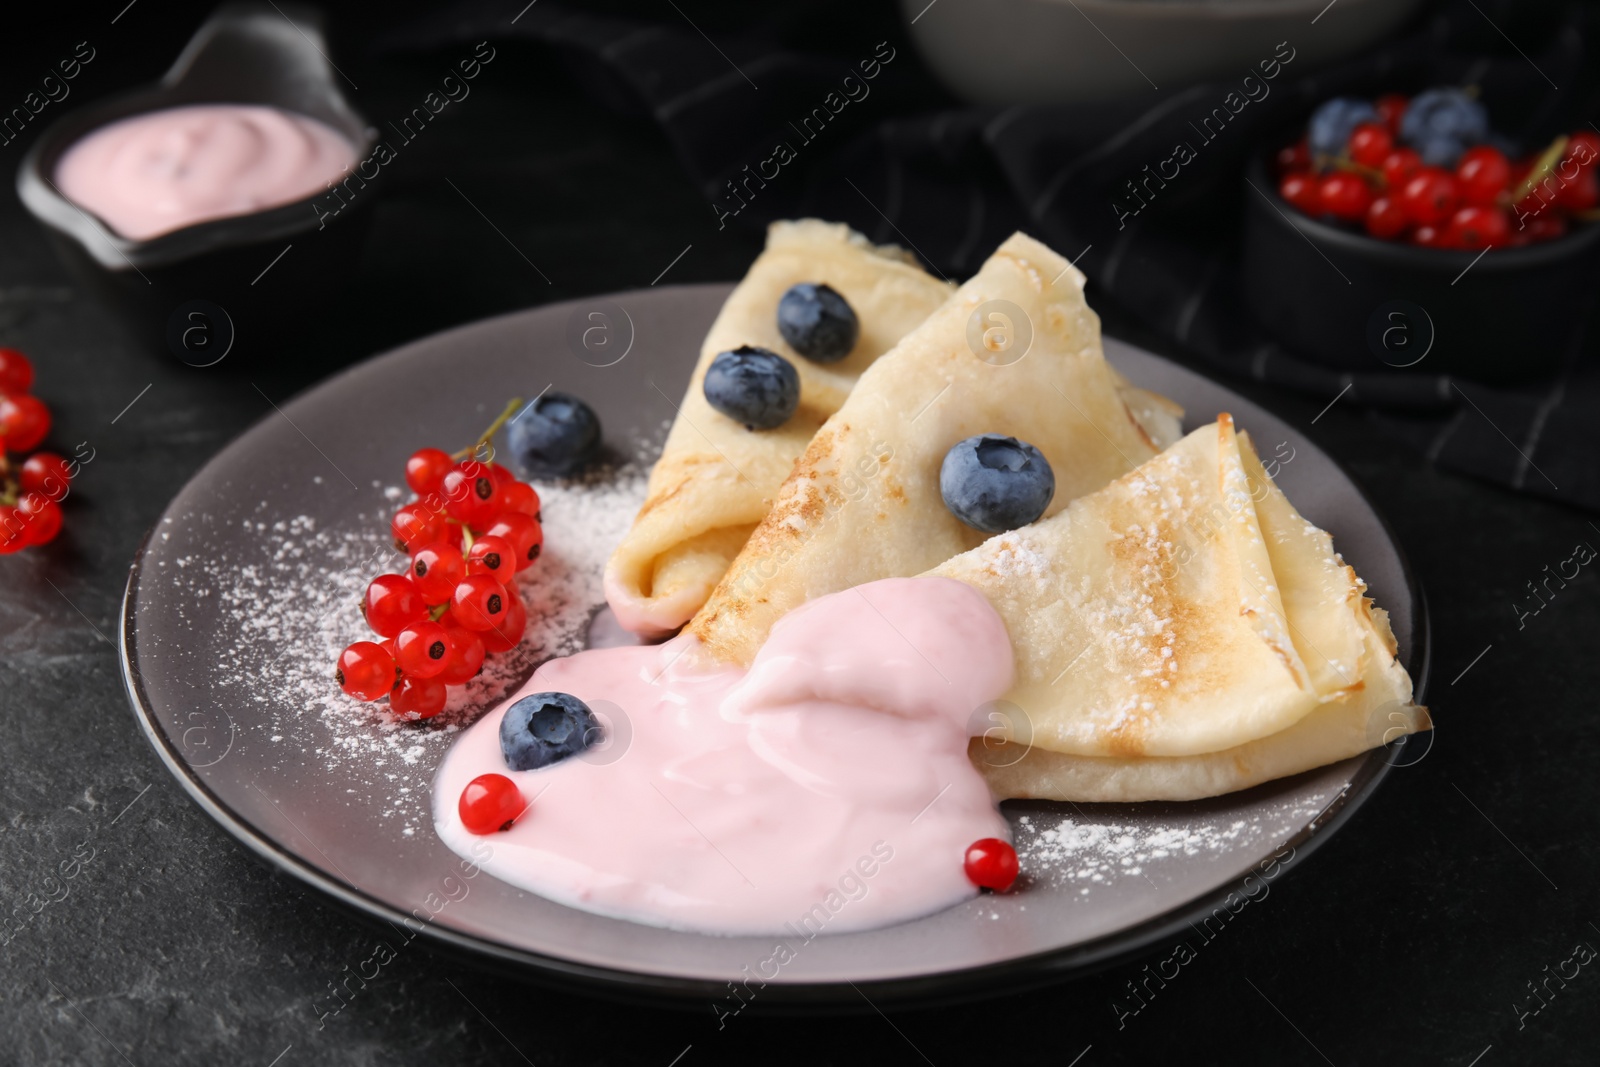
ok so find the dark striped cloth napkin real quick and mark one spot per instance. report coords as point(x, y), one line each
point(827, 111)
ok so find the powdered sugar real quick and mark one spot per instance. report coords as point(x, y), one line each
point(1081, 850)
point(291, 599)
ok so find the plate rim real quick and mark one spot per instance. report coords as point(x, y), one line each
point(660, 989)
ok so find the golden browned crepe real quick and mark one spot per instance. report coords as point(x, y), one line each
point(1181, 633)
point(715, 479)
point(1016, 351)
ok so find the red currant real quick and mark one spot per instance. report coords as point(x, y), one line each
point(466, 657)
point(1428, 237)
point(13, 531)
point(1345, 196)
point(422, 649)
point(515, 496)
point(415, 526)
point(525, 535)
point(1370, 144)
point(1478, 227)
point(1391, 108)
point(508, 631)
point(1294, 157)
point(392, 603)
point(24, 421)
point(1386, 219)
point(16, 373)
point(991, 864)
point(1580, 192)
point(494, 556)
point(468, 489)
point(480, 602)
point(47, 473)
point(1300, 189)
point(501, 475)
point(1484, 174)
point(366, 671)
point(490, 802)
point(426, 468)
point(1546, 227)
point(1583, 148)
point(436, 570)
point(1399, 166)
point(43, 517)
point(1430, 196)
point(418, 698)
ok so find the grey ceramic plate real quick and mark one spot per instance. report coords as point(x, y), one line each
point(340, 803)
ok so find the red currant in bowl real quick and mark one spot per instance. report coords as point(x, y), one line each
point(489, 803)
point(991, 864)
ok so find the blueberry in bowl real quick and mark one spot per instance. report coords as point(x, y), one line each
point(546, 728)
point(1425, 236)
point(556, 436)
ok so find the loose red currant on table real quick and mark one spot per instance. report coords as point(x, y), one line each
point(392, 603)
point(1370, 144)
point(466, 657)
point(1484, 174)
point(480, 602)
point(524, 533)
point(1430, 197)
point(366, 671)
point(505, 634)
point(24, 421)
point(1345, 196)
point(468, 489)
point(43, 517)
point(494, 556)
point(1391, 108)
point(490, 802)
point(1302, 190)
point(426, 468)
point(1400, 165)
point(16, 373)
point(418, 698)
point(1386, 219)
point(1478, 227)
point(415, 526)
point(515, 496)
point(422, 649)
point(436, 570)
point(47, 473)
point(991, 864)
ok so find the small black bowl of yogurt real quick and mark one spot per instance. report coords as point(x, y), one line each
point(215, 206)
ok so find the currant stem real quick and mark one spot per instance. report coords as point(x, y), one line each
point(1541, 169)
point(494, 428)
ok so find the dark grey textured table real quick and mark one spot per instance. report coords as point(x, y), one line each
point(1419, 933)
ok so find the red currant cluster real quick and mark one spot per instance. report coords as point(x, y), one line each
point(472, 529)
point(30, 500)
point(1488, 200)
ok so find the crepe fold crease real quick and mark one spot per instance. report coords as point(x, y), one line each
point(1015, 351)
point(1181, 633)
point(715, 479)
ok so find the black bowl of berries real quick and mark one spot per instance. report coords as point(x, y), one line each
point(1389, 231)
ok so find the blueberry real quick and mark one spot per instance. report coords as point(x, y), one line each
point(994, 483)
point(554, 436)
point(1328, 133)
point(1438, 150)
point(817, 322)
point(753, 386)
point(1446, 113)
point(546, 728)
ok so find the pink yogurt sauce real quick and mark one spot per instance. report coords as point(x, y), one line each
point(163, 170)
point(826, 788)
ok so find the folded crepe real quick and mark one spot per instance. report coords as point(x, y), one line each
point(1182, 633)
point(1016, 351)
point(715, 479)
